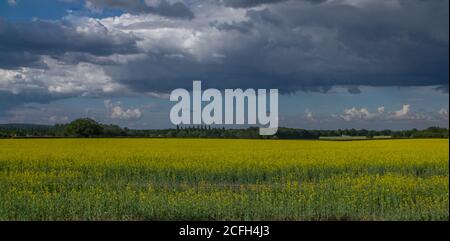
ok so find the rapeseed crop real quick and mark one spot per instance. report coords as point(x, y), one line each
point(198, 179)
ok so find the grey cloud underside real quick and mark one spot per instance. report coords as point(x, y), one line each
point(163, 7)
point(354, 90)
point(248, 3)
point(312, 47)
point(22, 44)
point(8, 100)
point(443, 88)
point(290, 45)
point(253, 3)
point(12, 60)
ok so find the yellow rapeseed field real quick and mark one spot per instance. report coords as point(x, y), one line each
point(206, 179)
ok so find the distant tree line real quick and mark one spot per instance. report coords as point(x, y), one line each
point(90, 128)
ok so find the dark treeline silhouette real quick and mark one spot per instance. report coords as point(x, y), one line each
point(89, 128)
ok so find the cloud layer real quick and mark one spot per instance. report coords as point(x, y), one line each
point(160, 45)
point(160, 7)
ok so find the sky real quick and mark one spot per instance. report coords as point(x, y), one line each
point(373, 64)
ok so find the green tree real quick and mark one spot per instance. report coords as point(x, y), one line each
point(84, 128)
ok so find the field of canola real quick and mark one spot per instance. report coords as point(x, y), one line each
point(206, 179)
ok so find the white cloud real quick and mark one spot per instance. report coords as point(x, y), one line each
point(309, 115)
point(12, 2)
point(443, 113)
point(118, 112)
point(178, 38)
point(392, 4)
point(159, 95)
point(361, 114)
point(59, 79)
point(403, 113)
point(59, 119)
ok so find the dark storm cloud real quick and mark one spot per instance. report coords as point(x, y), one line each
point(253, 3)
point(248, 3)
point(177, 9)
point(297, 45)
point(243, 27)
point(12, 60)
point(163, 7)
point(354, 90)
point(21, 44)
point(443, 88)
point(9, 100)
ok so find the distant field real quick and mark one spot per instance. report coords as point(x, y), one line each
point(350, 138)
point(207, 179)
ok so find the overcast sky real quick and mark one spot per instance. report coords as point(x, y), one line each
point(370, 64)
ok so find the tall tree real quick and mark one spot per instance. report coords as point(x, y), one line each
point(84, 127)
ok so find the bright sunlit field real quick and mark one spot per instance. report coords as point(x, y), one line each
point(206, 179)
